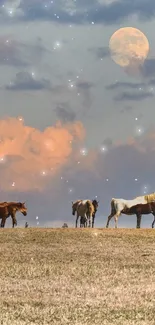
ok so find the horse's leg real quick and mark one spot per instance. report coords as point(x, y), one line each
point(153, 220)
point(86, 220)
point(80, 222)
point(116, 218)
point(108, 220)
point(90, 220)
point(13, 223)
point(93, 221)
point(77, 217)
point(2, 223)
point(139, 217)
point(14, 220)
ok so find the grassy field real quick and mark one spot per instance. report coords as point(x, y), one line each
point(77, 276)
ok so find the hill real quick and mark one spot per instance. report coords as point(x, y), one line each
point(77, 276)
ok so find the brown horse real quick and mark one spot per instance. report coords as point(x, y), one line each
point(117, 205)
point(139, 210)
point(8, 209)
point(74, 209)
point(84, 208)
point(83, 220)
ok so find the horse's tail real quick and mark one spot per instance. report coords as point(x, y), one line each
point(113, 206)
point(90, 207)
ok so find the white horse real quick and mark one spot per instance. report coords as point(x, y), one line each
point(84, 209)
point(117, 205)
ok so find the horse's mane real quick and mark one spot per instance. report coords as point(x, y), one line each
point(89, 201)
point(150, 197)
point(138, 197)
point(76, 201)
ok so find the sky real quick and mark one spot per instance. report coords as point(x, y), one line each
point(73, 123)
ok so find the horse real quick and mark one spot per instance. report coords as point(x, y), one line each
point(74, 209)
point(140, 209)
point(8, 209)
point(83, 220)
point(83, 208)
point(117, 205)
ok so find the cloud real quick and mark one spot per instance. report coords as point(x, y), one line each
point(148, 68)
point(64, 113)
point(134, 96)
point(84, 89)
point(106, 12)
point(26, 81)
point(135, 91)
point(124, 84)
point(84, 85)
point(10, 53)
point(30, 158)
point(145, 70)
point(100, 52)
point(18, 54)
point(127, 108)
point(108, 142)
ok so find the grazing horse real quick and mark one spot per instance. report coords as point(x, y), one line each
point(83, 220)
point(117, 205)
point(8, 209)
point(85, 209)
point(140, 209)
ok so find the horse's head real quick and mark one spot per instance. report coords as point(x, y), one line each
point(74, 207)
point(95, 204)
point(22, 208)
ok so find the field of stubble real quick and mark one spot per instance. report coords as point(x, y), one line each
point(77, 276)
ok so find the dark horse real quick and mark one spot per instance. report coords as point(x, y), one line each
point(83, 220)
point(140, 209)
point(8, 209)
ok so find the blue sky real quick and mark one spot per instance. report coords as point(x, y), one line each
point(73, 123)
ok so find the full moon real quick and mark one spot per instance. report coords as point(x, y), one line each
point(128, 46)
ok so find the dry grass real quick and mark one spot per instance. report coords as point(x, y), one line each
point(77, 276)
